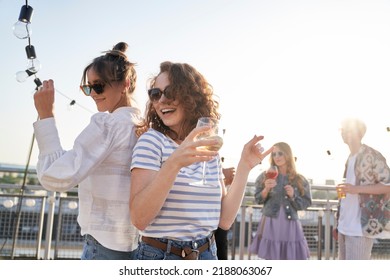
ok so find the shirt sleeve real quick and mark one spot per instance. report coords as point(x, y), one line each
point(259, 184)
point(60, 170)
point(147, 153)
point(381, 169)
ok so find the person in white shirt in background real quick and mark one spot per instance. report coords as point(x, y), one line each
point(364, 214)
point(99, 162)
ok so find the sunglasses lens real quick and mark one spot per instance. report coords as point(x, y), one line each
point(98, 88)
point(86, 89)
point(279, 154)
point(168, 93)
point(154, 94)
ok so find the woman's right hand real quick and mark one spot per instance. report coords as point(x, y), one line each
point(190, 150)
point(269, 184)
point(44, 100)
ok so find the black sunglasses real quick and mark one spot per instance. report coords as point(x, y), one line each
point(87, 89)
point(279, 154)
point(155, 94)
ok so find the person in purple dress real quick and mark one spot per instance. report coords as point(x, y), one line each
point(280, 234)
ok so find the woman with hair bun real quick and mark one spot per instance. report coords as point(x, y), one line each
point(99, 161)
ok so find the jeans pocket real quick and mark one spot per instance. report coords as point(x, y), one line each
point(147, 252)
point(89, 250)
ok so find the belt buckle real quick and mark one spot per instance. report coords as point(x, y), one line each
point(193, 255)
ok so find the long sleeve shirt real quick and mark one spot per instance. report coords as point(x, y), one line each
point(99, 163)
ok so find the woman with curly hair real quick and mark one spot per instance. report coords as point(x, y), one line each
point(175, 214)
point(280, 235)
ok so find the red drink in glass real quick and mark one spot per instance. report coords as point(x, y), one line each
point(272, 172)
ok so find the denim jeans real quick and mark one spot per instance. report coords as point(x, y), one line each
point(93, 250)
point(148, 252)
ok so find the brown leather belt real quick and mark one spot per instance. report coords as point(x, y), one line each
point(187, 253)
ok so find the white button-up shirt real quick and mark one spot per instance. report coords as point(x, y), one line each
point(99, 163)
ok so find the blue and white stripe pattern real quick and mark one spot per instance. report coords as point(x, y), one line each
point(191, 210)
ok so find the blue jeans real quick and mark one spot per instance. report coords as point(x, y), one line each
point(148, 252)
point(93, 250)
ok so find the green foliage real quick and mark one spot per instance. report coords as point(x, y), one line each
point(9, 179)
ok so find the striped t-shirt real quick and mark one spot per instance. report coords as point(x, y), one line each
point(191, 210)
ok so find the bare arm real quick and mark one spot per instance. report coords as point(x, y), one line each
point(149, 190)
point(366, 189)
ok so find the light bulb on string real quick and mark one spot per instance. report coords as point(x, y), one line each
point(34, 65)
point(22, 28)
point(71, 104)
point(22, 76)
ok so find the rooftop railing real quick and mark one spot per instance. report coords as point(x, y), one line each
point(48, 228)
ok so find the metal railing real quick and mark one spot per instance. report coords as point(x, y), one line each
point(48, 227)
point(318, 222)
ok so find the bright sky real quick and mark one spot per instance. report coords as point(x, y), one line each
point(289, 70)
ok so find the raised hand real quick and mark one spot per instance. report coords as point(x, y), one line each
point(44, 100)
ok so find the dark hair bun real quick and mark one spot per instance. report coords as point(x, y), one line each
point(121, 46)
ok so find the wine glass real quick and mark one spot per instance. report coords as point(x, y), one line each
point(213, 133)
point(272, 172)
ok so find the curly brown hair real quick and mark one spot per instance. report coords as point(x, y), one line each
point(193, 92)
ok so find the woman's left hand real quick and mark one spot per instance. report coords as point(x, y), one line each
point(253, 154)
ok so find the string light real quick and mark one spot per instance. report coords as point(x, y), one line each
point(73, 102)
point(22, 30)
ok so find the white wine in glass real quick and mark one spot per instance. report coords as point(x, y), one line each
point(213, 133)
point(215, 147)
